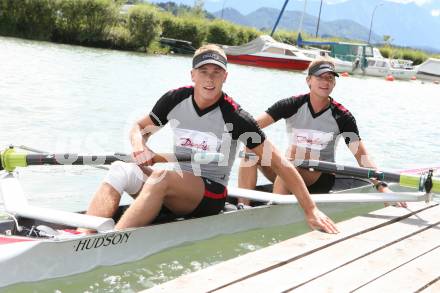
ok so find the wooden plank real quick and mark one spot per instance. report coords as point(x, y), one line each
point(304, 270)
point(433, 287)
point(409, 277)
point(380, 264)
point(244, 266)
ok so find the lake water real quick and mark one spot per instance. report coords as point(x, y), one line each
point(60, 98)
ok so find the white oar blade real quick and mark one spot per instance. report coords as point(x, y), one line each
point(65, 218)
point(328, 198)
point(15, 203)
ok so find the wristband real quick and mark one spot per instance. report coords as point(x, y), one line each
point(380, 183)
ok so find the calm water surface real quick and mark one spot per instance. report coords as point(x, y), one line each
point(61, 98)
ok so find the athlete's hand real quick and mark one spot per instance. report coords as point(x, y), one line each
point(144, 157)
point(396, 204)
point(317, 220)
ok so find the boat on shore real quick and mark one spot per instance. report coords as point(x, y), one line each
point(178, 46)
point(429, 70)
point(340, 65)
point(264, 51)
point(379, 66)
point(364, 59)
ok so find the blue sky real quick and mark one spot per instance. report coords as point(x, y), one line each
point(432, 5)
point(247, 6)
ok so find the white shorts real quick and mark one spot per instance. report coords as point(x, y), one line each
point(126, 177)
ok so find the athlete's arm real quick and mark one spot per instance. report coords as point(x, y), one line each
point(361, 154)
point(264, 120)
point(139, 134)
point(157, 118)
point(247, 173)
point(283, 168)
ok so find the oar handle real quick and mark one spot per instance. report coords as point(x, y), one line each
point(330, 167)
point(76, 159)
point(9, 159)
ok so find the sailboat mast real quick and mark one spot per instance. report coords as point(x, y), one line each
point(279, 17)
point(302, 18)
point(319, 18)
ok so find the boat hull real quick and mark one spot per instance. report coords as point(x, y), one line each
point(269, 62)
point(42, 259)
point(428, 76)
point(403, 74)
point(429, 70)
point(35, 258)
point(343, 66)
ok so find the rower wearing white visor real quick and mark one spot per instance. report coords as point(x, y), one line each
point(314, 124)
point(203, 119)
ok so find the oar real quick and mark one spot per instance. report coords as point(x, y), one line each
point(9, 159)
point(330, 198)
point(38, 151)
point(420, 182)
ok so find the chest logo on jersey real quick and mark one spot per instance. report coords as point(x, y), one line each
point(311, 139)
point(187, 142)
point(196, 140)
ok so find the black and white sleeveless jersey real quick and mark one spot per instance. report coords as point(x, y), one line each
point(215, 129)
point(319, 132)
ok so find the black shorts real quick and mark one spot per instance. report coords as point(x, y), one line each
point(212, 203)
point(213, 200)
point(324, 184)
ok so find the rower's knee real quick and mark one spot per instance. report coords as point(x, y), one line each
point(158, 179)
point(156, 185)
point(126, 177)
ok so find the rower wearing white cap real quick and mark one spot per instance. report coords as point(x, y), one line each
point(203, 118)
point(314, 123)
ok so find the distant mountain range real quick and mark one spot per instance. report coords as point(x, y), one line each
point(265, 17)
point(407, 24)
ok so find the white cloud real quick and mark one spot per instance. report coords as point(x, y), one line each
point(435, 12)
point(417, 2)
point(335, 1)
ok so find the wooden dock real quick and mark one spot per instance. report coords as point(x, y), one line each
point(389, 250)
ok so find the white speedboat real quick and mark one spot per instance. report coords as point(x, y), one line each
point(264, 51)
point(340, 65)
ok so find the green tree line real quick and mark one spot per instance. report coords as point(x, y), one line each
point(105, 24)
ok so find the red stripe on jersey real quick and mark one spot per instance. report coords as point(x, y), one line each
point(231, 101)
point(339, 106)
